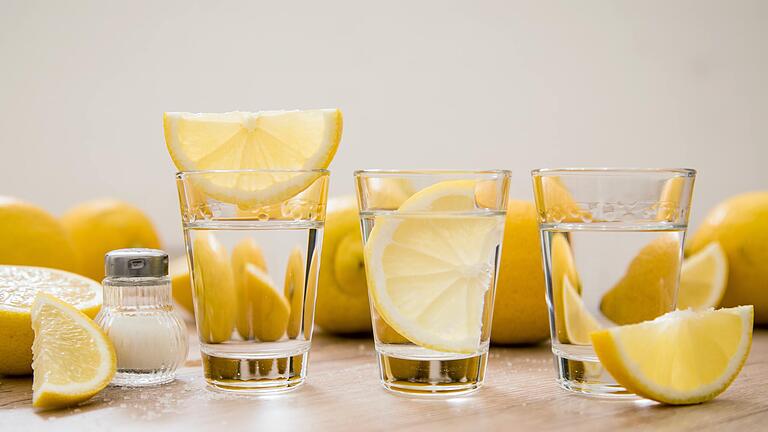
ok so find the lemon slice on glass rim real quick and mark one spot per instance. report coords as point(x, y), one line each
point(286, 151)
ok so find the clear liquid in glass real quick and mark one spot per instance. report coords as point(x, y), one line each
point(255, 325)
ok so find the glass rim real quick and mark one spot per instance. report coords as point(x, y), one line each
point(680, 172)
point(321, 171)
point(428, 172)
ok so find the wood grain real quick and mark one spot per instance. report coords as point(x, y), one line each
point(343, 393)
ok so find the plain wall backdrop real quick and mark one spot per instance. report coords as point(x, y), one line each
point(422, 84)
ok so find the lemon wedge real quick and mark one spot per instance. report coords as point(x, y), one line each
point(579, 322)
point(269, 311)
point(73, 358)
point(293, 289)
point(215, 292)
point(682, 357)
point(429, 275)
point(245, 252)
point(18, 287)
point(268, 140)
point(703, 278)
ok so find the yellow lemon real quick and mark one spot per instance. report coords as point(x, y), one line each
point(246, 252)
point(181, 284)
point(30, 236)
point(18, 287)
point(293, 289)
point(556, 202)
point(215, 291)
point(342, 298)
point(682, 357)
point(647, 290)
point(577, 319)
point(563, 270)
point(702, 278)
point(298, 140)
point(73, 358)
point(99, 226)
point(268, 310)
point(740, 225)
point(419, 266)
point(520, 311)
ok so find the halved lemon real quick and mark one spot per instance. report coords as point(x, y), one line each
point(703, 278)
point(682, 357)
point(268, 140)
point(18, 287)
point(430, 275)
point(73, 358)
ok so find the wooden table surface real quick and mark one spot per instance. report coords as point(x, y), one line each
point(342, 393)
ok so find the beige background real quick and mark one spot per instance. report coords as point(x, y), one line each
point(423, 84)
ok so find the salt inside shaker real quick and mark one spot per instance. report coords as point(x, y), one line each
point(137, 315)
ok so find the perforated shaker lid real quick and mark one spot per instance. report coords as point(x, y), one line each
point(136, 262)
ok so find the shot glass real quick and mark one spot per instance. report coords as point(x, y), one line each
point(253, 240)
point(612, 244)
point(432, 245)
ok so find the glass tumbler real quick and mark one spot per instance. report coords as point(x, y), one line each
point(612, 244)
point(253, 240)
point(432, 245)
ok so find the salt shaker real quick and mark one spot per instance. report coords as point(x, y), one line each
point(137, 315)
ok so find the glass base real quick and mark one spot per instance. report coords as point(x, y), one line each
point(255, 376)
point(432, 377)
point(588, 378)
point(141, 378)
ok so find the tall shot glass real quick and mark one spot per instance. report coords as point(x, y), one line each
point(612, 244)
point(253, 252)
point(432, 246)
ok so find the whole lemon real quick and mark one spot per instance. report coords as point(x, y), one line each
point(342, 296)
point(740, 224)
point(99, 226)
point(181, 284)
point(31, 236)
point(520, 312)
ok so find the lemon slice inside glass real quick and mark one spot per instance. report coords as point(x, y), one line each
point(682, 357)
point(430, 275)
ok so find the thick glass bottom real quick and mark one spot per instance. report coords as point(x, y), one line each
point(438, 377)
point(142, 378)
point(255, 376)
point(588, 378)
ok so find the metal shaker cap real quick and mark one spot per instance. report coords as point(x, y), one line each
point(136, 263)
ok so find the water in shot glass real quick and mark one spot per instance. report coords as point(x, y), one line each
point(432, 245)
point(254, 271)
point(612, 243)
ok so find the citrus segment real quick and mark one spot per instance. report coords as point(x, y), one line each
point(245, 252)
point(269, 140)
point(268, 311)
point(703, 278)
point(73, 358)
point(293, 289)
point(579, 322)
point(215, 295)
point(429, 274)
point(18, 287)
point(682, 357)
